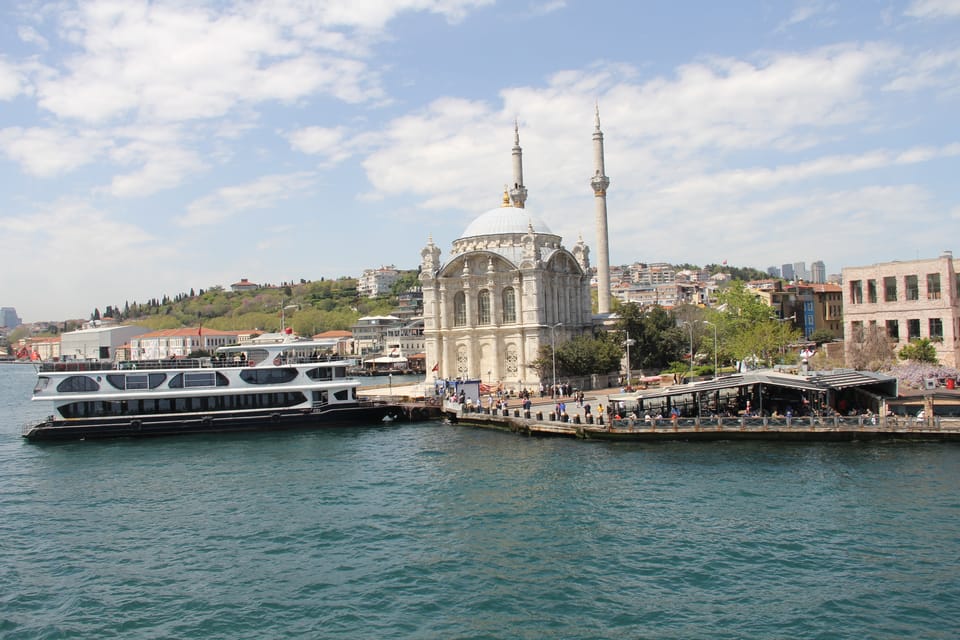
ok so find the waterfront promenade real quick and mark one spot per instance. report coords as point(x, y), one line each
point(541, 420)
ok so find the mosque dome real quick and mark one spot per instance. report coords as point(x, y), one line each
point(505, 220)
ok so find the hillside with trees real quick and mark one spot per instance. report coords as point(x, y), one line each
point(308, 307)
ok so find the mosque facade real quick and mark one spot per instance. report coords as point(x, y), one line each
point(508, 288)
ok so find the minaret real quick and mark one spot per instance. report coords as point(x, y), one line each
point(518, 194)
point(600, 182)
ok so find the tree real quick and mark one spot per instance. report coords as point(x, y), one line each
point(748, 325)
point(869, 350)
point(581, 356)
point(921, 350)
point(820, 336)
point(657, 340)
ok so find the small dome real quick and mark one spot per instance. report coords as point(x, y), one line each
point(505, 220)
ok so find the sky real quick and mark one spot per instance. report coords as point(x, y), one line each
point(150, 148)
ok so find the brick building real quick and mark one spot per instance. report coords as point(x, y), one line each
point(907, 301)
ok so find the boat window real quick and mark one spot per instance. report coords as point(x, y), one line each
point(268, 376)
point(320, 373)
point(343, 394)
point(136, 380)
point(78, 383)
point(340, 372)
point(42, 383)
point(198, 379)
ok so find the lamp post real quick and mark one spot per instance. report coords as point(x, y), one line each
point(553, 352)
point(283, 314)
point(629, 342)
point(715, 371)
point(390, 380)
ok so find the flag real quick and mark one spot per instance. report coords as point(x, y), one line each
point(436, 367)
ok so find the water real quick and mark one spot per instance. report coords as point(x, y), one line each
point(432, 531)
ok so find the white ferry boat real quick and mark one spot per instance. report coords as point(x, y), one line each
point(292, 383)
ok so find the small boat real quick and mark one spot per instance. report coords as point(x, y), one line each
point(266, 386)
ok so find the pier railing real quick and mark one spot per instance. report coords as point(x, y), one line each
point(540, 421)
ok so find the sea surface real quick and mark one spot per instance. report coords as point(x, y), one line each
point(428, 530)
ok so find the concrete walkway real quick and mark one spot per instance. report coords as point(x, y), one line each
point(546, 405)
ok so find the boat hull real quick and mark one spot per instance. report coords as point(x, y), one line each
point(271, 420)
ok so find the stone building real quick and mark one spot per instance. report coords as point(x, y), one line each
point(508, 288)
point(907, 301)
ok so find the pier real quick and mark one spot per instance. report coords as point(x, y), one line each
point(541, 420)
point(806, 429)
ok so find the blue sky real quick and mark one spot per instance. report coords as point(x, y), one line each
point(147, 148)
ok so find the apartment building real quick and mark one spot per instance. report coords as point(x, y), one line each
point(377, 282)
point(907, 301)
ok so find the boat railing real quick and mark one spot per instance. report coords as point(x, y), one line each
point(125, 365)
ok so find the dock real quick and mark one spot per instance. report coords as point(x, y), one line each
point(807, 429)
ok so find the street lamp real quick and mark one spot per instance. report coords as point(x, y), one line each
point(715, 372)
point(553, 352)
point(283, 315)
point(390, 380)
point(629, 342)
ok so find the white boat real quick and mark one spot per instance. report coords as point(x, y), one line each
point(288, 383)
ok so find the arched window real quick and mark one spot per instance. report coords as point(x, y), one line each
point(483, 307)
point(509, 306)
point(459, 309)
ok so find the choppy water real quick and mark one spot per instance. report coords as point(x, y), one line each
point(431, 531)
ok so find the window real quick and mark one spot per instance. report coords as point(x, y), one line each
point(936, 329)
point(872, 291)
point(268, 376)
point(911, 288)
point(509, 305)
point(136, 380)
point(856, 292)
point(933, 286)
point(890, 289)
point(198, 379)
point(77, 383)
point(483, 307)
point(913, 329)
point(893, 329)
point(856, 329)
point(459, 309)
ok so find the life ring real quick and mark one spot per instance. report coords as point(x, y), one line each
point(277, 361)
point(135, 424)
point(207, 421)
point(275, 417)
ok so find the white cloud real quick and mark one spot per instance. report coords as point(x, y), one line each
point(933, 9)
point(11, 81)
point(805, 11)
point(930, 69)
point(167, 61)
point(261, 194)
point(76, 233)
point(328, 142)
point(30, 35)
point(50, 152)
point(453, 152)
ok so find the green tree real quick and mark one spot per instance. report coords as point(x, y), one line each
point(921, 350)
point(749, 328)
point(657, 339)
point(581, 356)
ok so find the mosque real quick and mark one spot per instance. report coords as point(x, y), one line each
point(510, 287)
